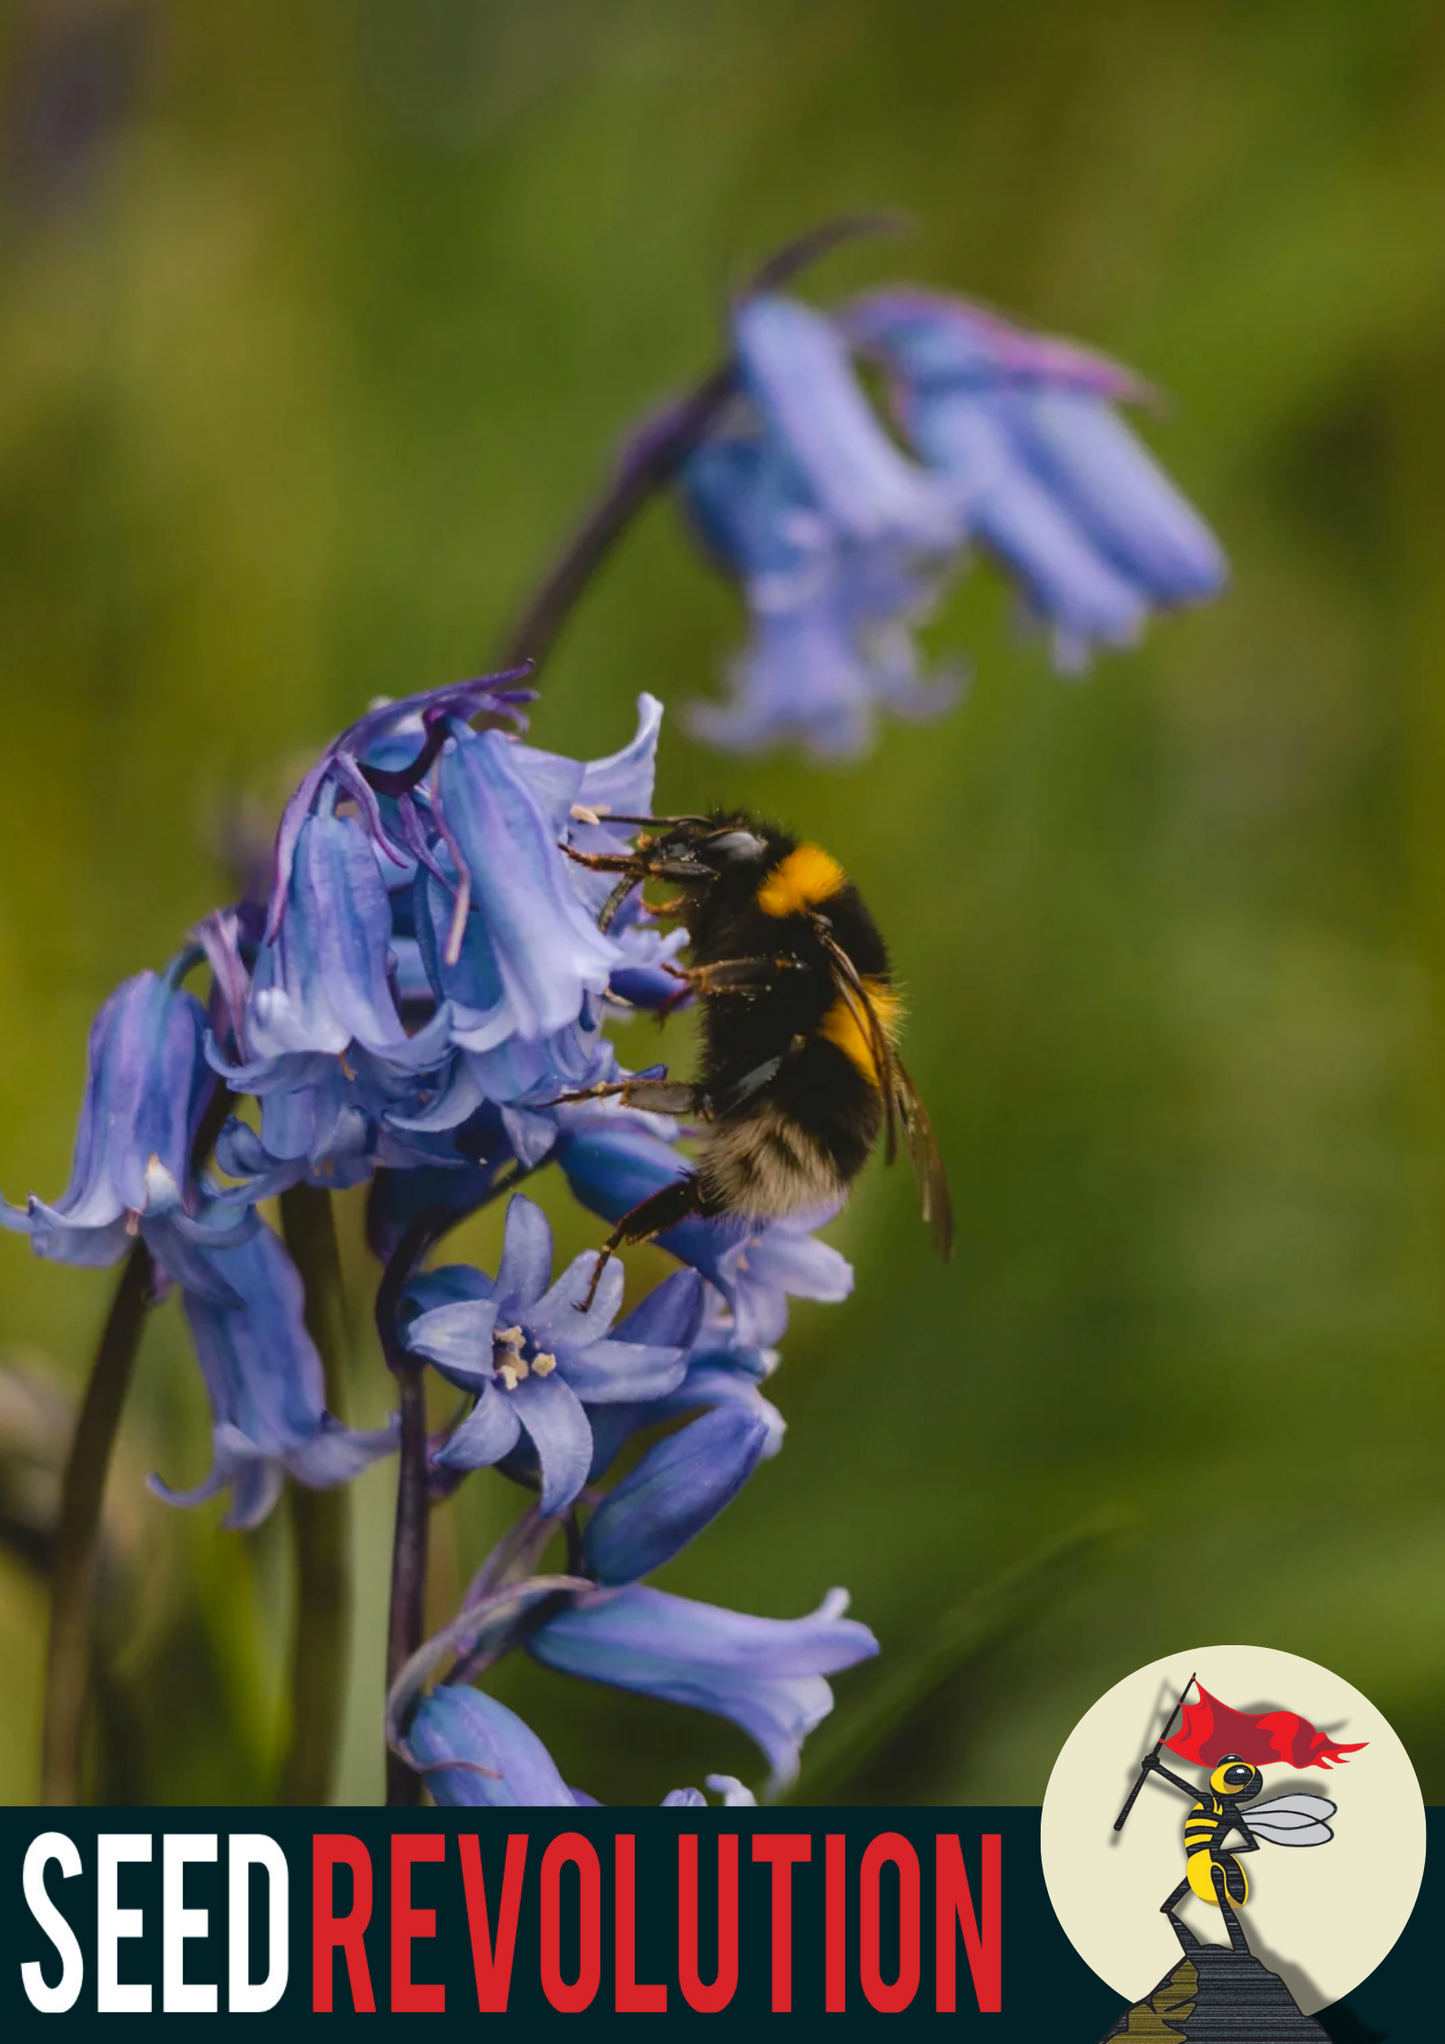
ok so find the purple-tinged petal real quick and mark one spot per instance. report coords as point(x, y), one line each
point(546, 953)
point(553, 1417)
point(559, 1318)
point(670, 1316)
point(1121, 497)
point(484, 1436)
point(459, 699)
point(148, 1085)
point(622, 1372)
point(474, 1753)
point(458, 1340)
point(795, 366)
point(765, 1674)
point(684, 1799)
point(525, 1270)
point(323, 982)
point(336, 1453)
point(680, 1486)
point(929, 337)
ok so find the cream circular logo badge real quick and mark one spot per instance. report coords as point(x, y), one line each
point(1232, 1836)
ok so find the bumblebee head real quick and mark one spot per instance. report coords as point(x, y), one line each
point(695, 849)
point(1237, 1779)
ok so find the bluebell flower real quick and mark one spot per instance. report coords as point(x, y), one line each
point(831, 615)
point(838, 540)
point(524, 958)
point(417, 727)
point(1023, 431)
point(755, 1265)
point(431, 954)
point(147, 1089)
point(474, 1753)
point(264, 1378)
point(765, 1674)
point(534, 1362)
point(321, 983)
point(679, 1486)
point(795, 366)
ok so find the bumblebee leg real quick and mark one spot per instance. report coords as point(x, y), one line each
point(653, 1096)
point(1232, 1923)
point(1171, 1903)
point(661, 1210)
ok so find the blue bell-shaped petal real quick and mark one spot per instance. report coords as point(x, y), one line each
point(147, 1087)
point(765, 1674)
point(322, 982)
point(474, 1753)
point(526, 954)
point(264, 1378)
point(678, 1487)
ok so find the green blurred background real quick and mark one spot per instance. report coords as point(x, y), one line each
point(318, 323)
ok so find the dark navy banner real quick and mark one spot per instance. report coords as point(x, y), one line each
point(914, 1915)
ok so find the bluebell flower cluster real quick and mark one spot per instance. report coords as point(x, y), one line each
point(424, 978)
point(842, 524)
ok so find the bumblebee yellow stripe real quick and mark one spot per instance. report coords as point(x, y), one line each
point(842, 1026)
point(806, 877)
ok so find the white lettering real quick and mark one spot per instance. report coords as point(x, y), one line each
point(248, 1849)
point(112, 1923)
point(179, 1923)
point(52, 2001)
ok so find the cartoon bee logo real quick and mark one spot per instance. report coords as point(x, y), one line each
point(1216, 1816)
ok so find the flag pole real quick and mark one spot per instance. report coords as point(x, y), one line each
point(1143, 1767)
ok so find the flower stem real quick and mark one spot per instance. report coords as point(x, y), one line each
point(406, 1623)
point(320, 1521)
point(68, 1667)
point(657, 454)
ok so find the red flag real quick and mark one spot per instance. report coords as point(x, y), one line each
point(1211, 1729)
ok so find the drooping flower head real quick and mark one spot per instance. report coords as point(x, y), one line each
point(841, 540)
point(265, 1383)
point(147, 1089)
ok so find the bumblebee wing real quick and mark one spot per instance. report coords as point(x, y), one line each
point(1292, 1820)
point(902, 1102)
point(923, 1154)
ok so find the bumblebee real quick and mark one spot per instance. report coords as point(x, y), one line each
point(800, 1073)
point(1215, 1875)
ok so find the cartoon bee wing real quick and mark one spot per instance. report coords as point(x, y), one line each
point(901, 1099)
point(1292, 1820)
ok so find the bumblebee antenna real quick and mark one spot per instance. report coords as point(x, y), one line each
point(612, 816)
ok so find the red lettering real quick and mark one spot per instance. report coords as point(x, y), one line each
point(493, 1967)
point(408, 1996)
point(955, 1911)
point(835, 1924)
point(328, 1930)
point(889, 1996)
point(571, 1996)
point(783, 1850)
point(634, 1997)
point(707, 1998)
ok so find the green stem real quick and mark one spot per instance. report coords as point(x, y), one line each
point(320, 1522)
point(77, 1538)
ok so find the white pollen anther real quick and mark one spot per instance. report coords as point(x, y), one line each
point(510, 1337)
point(581, 813)
point(511, 1374)
point(543, 1365)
